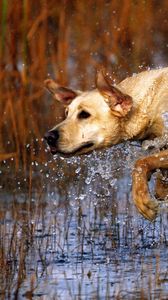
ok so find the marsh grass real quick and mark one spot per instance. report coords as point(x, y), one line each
point(67, 40)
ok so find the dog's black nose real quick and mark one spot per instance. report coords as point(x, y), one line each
point(52, 137)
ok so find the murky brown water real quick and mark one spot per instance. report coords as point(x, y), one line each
point(76, 233)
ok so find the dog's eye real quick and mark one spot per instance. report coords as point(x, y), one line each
point(83, 114)
point(66, 112)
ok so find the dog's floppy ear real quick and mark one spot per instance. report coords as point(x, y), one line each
point(60, 93)
point(119, 103)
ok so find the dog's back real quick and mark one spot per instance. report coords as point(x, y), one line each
point(149, 91)
point(150, 86)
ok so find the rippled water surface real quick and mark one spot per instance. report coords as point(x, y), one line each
point(69, 230)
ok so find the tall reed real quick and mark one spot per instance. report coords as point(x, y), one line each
point(3, 26)
point(68, 40)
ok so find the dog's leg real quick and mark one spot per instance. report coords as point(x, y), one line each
point(141, 173)
point(161, 187)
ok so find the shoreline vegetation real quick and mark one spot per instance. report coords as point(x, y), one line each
point(68, 41)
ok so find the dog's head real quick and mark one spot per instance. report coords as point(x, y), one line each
point(93, 119)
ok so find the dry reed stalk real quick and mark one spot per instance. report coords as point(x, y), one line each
point(68, 40)
point(10, 109)
point(63, 43)
point(24, 58)
point(30, 173)
point(121, 26)
point(3, 27)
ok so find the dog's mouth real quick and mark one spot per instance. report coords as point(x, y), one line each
point(80, 150)
point(83, 148)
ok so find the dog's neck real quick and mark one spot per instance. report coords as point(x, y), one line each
point(135, 125)
point(138, 125)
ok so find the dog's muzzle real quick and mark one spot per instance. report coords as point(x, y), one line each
point(52, 138)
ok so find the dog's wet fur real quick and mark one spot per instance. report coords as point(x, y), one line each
point(108, 115)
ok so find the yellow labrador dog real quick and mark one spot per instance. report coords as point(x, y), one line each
point(108, 115)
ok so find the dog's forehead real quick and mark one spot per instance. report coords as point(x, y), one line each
point(91, 99)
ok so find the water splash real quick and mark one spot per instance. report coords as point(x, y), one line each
point(159, 142)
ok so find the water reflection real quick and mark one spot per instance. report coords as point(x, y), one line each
point(72, 232)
